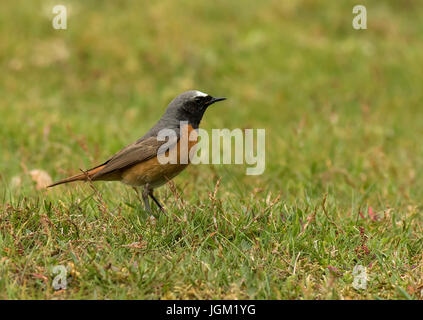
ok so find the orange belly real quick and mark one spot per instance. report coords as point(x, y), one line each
point(154, 173)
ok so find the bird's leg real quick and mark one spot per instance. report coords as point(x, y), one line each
point(156, 201)
point(144, 199)
point(145, 194)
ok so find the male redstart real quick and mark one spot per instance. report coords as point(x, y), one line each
point(138, 164)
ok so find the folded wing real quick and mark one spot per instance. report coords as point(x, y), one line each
point(129, 156)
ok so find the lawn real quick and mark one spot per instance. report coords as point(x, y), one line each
point(343, 184)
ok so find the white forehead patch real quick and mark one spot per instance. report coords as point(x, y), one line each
point(200, 94)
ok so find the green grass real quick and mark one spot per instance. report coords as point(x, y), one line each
point(343, 119)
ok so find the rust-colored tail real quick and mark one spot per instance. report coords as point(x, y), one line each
point(79, 177)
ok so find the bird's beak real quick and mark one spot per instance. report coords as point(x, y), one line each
point(213, 100)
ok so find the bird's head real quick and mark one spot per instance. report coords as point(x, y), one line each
point(191, 105)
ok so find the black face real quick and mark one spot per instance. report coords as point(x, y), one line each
point(190, 106)
point(205, 101)
point(197, 105)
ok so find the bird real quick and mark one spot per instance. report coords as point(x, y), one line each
point(138, 164)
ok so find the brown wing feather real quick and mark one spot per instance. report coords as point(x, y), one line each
point(111, 169)
point(129, 156)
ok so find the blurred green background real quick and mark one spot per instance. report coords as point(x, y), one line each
point(341, 107)
point(332, 99)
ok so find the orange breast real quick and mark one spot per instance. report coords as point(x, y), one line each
point(154, 173)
